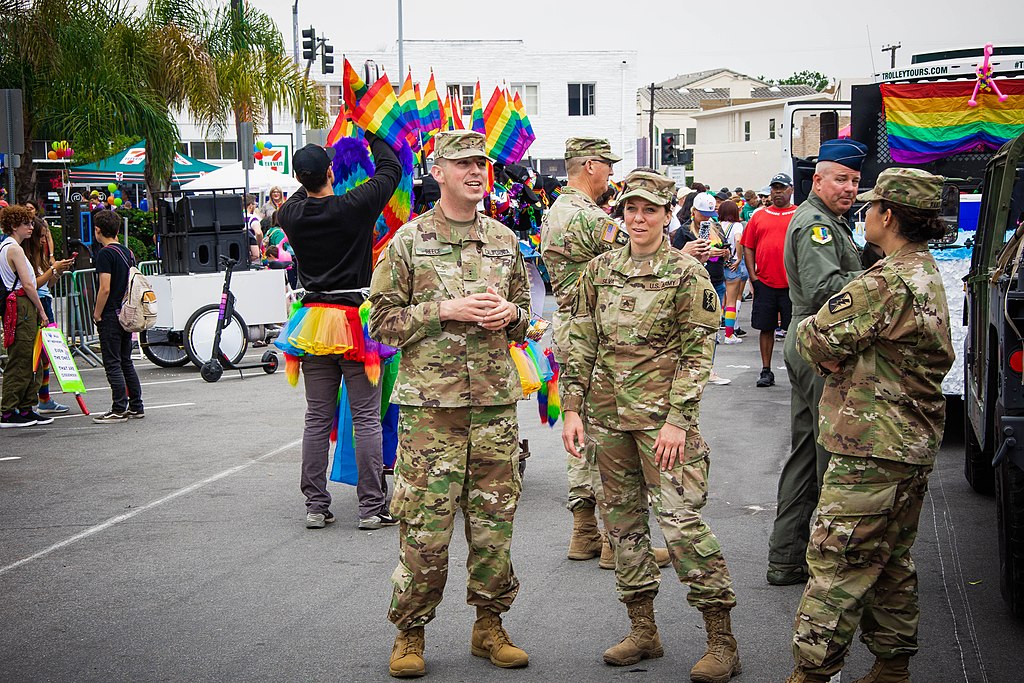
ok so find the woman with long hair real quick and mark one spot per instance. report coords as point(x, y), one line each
point(735, 271)
point(39, 249)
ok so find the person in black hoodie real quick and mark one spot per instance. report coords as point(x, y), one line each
point(332, 238)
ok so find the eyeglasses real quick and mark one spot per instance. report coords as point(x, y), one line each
point(611, 164)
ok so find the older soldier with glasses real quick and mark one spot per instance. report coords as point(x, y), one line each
point(641, 340)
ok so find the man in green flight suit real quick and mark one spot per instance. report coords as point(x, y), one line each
point(820, 258)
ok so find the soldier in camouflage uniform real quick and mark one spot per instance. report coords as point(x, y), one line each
point(574, 231)
point(884, 344)
point(641, 340)
point(452, 292)
point(820, 257)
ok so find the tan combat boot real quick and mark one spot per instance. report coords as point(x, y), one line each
point(642, 641)
point(585, 543)
point(895, 670)
point(407, 654)
point(607, 561)
point(801, 676)
point(721, 661)
point(491, 640)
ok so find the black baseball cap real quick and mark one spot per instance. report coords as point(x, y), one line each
point(312, 160)
point(781, 179)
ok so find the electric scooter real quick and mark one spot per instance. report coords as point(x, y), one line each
point(213, 368)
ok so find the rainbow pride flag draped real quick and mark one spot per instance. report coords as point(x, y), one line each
point(476, 120)
point(930, 121)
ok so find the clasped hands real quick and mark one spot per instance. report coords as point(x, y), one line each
point(489, 310)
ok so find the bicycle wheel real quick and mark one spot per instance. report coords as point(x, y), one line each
point(199, 331)
point(163, 348)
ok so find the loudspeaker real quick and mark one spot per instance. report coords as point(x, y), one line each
point(203, 214)
point(183, 254)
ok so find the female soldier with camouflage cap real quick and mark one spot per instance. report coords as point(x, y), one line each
point(641, 340)
point(883, 343)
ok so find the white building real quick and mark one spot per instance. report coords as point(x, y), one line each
point(590, 93)
point(741, 145)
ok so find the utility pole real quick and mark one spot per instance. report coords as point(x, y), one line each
point(892, 50)
point(401, 43)
point(295, 54)
point(650, 158)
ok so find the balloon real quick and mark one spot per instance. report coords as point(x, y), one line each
point(256, 147)
point(257, 156)
point(111, 199)
point(118, 201)
point(54, 145)
point(117, 193)
point(267, 145)
point(51, 155)
point(70, 152)
point(112, 187)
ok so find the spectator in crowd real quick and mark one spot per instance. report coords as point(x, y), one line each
point(763, 240)
point(274, 202)
point(735, 270)
point(23, 314)
point(253, 229)
point(722, 195)
point(684, 210)
point(39, 249)
point(750, 204)
point(113, 261)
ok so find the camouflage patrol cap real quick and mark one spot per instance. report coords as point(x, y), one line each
point(653, 187)
point(590, 147)
point(460, 144)
point(907, 186)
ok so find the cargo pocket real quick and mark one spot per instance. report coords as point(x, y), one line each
point(852, 520)
point(815, 627)
point(401, 578)
point(707, 545)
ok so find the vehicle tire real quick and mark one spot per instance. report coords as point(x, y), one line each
point(163, 348)
point(977, 461)
point(270, 362)
point(199, 331)
point(1009, 485)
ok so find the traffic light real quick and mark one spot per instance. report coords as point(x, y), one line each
point(327, 60)
point(308, 44)
point(668, 149)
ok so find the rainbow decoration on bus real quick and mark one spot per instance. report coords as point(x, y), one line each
point(930, 121)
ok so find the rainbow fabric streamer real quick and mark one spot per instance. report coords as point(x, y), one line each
point(548, 401)
point(930, 121)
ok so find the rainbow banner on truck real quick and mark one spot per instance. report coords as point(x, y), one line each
point(930, 121)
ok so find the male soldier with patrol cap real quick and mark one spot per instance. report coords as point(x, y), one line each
point(574, 231)
point(451, 291)
point(820, 258)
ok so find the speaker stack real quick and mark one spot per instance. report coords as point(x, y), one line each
point(198, 230)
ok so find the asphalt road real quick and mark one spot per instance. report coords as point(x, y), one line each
point(173, 548)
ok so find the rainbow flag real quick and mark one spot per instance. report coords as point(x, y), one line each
point(930, 121)
point(454, 111)
point(503, 129)
point(353, 87)
point(374, 109)
point(476, 121)
point(430, 109)
point(342, 128)
point(410, 112)
point(527, 137)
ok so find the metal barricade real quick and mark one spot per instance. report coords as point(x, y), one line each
point(80, 302)
point(149, 268)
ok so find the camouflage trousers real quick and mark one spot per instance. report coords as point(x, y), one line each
point(584, 482)
point(861, 571)
point(452, 458)
point(631, 482)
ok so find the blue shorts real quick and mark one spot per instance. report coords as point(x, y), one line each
point(738, 274)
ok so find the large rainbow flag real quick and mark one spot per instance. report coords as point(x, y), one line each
point(930, 121)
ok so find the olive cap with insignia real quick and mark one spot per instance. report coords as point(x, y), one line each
point(590, 147)
point(653, 187)
point(907, 186)
point(460, 144)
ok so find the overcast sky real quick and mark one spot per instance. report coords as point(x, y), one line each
point(757, 38)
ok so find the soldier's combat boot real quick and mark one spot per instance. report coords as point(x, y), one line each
point(895, 670)
point(491, 641)
point(607, 561)
point(585, 543)
point(407, 654)
point(801, 676)
point(721, 661)
point(642, 641)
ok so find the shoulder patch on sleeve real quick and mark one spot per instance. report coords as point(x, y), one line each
point(611, 232)
point(820, 234)
point(710, 300)
point(840, 302)
point(854, 300)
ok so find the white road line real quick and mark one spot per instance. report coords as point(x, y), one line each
point(11, 457)
point(148, 408)
point(149, 384)
point(148, 506)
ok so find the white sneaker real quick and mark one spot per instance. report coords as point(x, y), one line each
point(733, 340)
point(715, 379)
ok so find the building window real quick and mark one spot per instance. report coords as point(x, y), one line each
point(746, 131)
point(771, 129)
point(691, 137)
point(528, 93)
point(581, 99)
point(464, 92)
point(334, 100)
point(215, 150)
point(199, 150)
point(183, 148)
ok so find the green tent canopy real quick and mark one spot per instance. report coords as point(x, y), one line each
point(129, 165)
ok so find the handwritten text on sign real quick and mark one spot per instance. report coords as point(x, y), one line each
point(61, 363)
